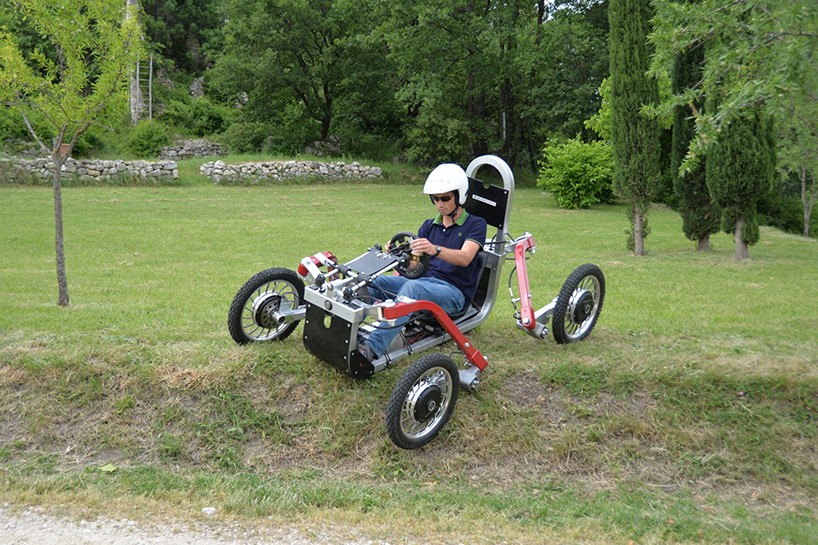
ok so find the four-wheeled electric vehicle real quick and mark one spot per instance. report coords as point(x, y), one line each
point(332, 300)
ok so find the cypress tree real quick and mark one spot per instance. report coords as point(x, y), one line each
point(740, 169)
point(635, 137)
point(700, 216)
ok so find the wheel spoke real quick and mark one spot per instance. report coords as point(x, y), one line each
point(278, 292)
point(435, 377)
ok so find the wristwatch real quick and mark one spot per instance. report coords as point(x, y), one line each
point(438, 249)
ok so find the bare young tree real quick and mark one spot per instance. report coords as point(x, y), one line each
point(79, 82)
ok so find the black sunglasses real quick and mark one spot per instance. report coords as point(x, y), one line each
point(444, 198)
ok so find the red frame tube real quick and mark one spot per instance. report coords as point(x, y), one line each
point(527, 318)
point(403, 309)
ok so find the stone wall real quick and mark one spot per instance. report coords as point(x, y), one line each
point(191, 148)
point(97, 169)
point(220, 172)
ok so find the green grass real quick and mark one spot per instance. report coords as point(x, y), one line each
point(689, 415)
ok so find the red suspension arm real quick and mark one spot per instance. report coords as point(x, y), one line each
point(403, 309)
point(526, 310)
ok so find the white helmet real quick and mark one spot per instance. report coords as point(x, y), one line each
point(448, 177)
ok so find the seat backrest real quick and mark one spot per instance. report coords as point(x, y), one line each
point(488, 201)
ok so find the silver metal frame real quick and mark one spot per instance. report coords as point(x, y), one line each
point(330, 296)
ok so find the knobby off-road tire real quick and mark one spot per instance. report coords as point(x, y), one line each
point(422, 401)
point(251, 315)
point(578, 304)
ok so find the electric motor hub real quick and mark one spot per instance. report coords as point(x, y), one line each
point(428, 403)
point(583, 306)
point(264, 309)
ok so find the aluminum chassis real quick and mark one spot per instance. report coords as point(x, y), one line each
point(336, 317)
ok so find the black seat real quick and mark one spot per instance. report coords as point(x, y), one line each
point(481, 258)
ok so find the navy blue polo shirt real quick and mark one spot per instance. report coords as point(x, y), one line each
point(467, 227)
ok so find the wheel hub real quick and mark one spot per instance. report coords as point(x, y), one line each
point(582, 307)
point(264, 309)
point(428, 403)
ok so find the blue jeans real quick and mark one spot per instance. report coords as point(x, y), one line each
point(450, 299)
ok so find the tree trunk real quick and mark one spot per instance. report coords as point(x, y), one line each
point(135, 91)
point(703, 244)
point(638, 234)
point(742, 248)
point(62, 279)
point(807, 201)
point(326, 114)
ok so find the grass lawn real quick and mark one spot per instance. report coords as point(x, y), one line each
point(688, 416)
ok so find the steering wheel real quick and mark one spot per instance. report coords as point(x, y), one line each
point(400, 246)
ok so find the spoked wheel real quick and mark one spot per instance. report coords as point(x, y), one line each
point(253, 313)
point(422, 401)
point(579, 304)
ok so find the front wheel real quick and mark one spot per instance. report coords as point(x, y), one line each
point(422, 401)
point(253, 315)
point(579, 304)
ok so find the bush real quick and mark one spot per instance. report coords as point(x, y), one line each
point(147, 138)
point(782, 208)
point(199, 117)
point(577, 174)
point(248, 137)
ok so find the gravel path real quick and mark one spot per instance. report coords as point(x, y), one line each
point(36, 527)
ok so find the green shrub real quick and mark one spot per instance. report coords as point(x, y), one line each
point(147, 138)
point(200, 116)
point(577, 174)
point(246, 137)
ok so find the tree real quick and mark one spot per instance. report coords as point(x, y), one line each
point(740, 169)
point(635, 136)
point(700, 216)
point(447, 56)
point(181, 30)
point(757, 52)
point(85, 80)
point(798, 149)
point(291, 58)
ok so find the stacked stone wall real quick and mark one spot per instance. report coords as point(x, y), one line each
point(98, 169)
point(220, 172)
point(191, 148)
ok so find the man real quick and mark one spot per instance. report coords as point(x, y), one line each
point(452, 240)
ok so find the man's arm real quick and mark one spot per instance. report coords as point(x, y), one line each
point(461, 257)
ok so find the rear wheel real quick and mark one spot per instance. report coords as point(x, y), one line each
point(578, 304)
point(422, 401)
point(253, 315)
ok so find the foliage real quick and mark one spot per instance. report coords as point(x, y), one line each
point(798, 144)
point(740, 169)
point(635, 136)
point(782, 208)
point(600, 122)
point(562, 64)
point(700, 216)
point(303, 53)
point(577, 174)
point(181, 29)
point(86, 82)
point(246, 137)
point(199, 116)
point(757, 54)
point(148, 138)
point(443, 82)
